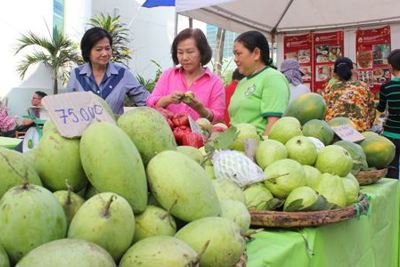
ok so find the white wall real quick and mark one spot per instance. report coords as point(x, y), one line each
point(77, 14)
point(18, 17)
point(151, 32)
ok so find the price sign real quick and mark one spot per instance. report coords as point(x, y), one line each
point(348, 133)
point(72, 113)
point(194, 126)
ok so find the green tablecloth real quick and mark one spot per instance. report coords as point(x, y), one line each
point(9, 142)
point(368, 241)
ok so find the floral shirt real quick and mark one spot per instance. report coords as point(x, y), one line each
point(351, 99)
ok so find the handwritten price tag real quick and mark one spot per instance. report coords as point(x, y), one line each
point(348, 133)
point(194, 126)
point(72, 113)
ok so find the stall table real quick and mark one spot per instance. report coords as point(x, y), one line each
point(9, 142)
point(366, 241)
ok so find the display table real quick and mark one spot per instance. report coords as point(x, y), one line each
point(367, 241)
point(9, 142)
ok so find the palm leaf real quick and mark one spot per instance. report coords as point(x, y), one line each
point(29, 60)
point(58, 53)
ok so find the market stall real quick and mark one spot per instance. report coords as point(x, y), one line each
point(335, 28)
point(365, 241)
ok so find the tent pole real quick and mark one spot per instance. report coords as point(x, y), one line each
point(273, 40)
point(176, 24)
point(190, 23)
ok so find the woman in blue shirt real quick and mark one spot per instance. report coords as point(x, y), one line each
point(108, 80)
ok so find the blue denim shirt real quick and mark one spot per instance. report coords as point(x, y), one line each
point(117, 82)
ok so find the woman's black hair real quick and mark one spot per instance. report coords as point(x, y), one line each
point(201, 44)
point(254, 39)
point(343, 67)
point(236, 75)
point(394, 59)
point(90, 38)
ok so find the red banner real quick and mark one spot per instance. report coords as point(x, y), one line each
point(299, 47)
point(328, 46)
point(372, 48)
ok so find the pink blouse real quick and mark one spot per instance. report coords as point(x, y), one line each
point(208, 89)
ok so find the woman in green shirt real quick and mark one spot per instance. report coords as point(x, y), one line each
point(263, 95)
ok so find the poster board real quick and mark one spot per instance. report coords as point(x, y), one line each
point(372, 50)
point(327, 47)
point(299, 47)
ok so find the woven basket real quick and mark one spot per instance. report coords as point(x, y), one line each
point(242, 261)
point(370, 177)
point(283, 219)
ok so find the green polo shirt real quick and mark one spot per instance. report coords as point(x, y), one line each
point(259, 96)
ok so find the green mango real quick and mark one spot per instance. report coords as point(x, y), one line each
point(67, 253)
point(30, 216)
point(225, 243)
point(113, 163)
point(182, 186)
point(237, 212)
point(70, 202)
point(192, 152)
point(15, 170)
point(154, 221)
point(226, 189)
point(148, 130)
point(57, 160)
point(165, 251)
point(106, 220)
point(4, 261)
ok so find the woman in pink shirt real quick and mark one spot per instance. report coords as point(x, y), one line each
point(191, 51)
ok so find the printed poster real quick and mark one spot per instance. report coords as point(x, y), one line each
point(328, 46)
point(372, 50)
point(299, 47)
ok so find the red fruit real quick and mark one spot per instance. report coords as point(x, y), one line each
point(193, 139)
point(181, 119)
point(181, 131)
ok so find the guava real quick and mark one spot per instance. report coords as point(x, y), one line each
point(335, 160)
point(284, 129)
point(331, 187)
point(245, 131)
point(258, 197)
point(313, 176)
point(283, 176)
point(269, 151)
point(301, 149)
point(351, 188)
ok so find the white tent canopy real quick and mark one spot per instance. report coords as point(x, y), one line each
point(289, 16)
